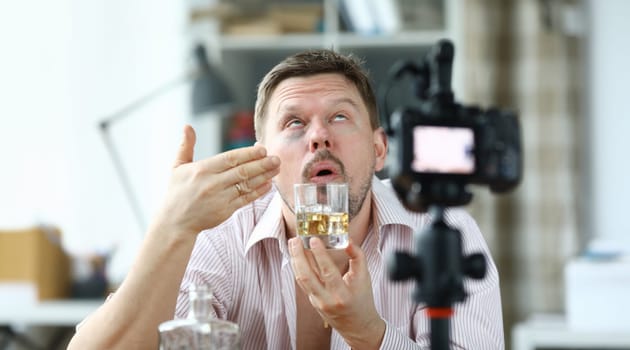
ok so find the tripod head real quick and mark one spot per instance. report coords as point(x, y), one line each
point(438, 290)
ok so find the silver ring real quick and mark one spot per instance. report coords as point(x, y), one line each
point(239, 189)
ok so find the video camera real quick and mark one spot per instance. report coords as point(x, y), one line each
point(439, 146)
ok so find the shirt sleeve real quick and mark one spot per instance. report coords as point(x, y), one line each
point(394, 339)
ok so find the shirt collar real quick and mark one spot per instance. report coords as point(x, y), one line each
point(270, 225)
point(388, 208)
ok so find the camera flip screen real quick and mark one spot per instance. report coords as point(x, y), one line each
point(443, 150)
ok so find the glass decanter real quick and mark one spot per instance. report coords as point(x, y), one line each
point(200, 331)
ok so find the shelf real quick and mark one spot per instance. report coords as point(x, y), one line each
point(342, 40)
point(270, 42)
point(403, 39)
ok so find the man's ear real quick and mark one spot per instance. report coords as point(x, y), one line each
point(380, 148)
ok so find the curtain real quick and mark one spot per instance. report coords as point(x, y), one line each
point(523, 55)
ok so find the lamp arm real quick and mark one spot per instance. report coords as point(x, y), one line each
point(140, 102)
point(123, 178)
point(104, 126)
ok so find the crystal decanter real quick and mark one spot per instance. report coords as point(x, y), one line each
point(199, 331)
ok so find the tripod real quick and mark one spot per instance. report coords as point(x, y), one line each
point(438, 269)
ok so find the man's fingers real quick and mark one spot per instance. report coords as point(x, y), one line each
point(186, 148)
point(260, 176)
point(353, 251)
point(328, 271)
point(304, 275)
point(248, 197)
point(356, 262)
point(234, 158)
point(318, 274)
point(254, 173)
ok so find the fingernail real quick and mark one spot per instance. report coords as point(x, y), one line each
point(292, 245)
point(271, 162)
point(183, 135)
point(315, 242)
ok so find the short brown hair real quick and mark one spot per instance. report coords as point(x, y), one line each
point(313, 62)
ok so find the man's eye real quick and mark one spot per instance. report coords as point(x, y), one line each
point(340, 117)
point(294, 123)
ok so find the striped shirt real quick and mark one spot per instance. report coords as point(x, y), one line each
point(245, 261)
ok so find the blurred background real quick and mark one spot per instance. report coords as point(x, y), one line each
point(94, 96)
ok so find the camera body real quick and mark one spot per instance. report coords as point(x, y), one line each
point(439, 146)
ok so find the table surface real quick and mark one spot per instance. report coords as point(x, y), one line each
point(51, 312)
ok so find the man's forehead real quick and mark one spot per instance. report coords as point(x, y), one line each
point(334, 101)
point(332, 87)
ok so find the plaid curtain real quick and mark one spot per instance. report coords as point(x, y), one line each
point(517, 54)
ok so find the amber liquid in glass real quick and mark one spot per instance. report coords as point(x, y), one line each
point(331, 228)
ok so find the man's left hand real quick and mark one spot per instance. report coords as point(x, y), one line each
point(345, 301)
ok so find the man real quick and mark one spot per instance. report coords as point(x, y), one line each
point(316, 121)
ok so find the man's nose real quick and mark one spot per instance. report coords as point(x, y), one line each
point(320, 136)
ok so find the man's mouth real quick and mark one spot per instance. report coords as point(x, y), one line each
point(324, 172)
point(324, 168)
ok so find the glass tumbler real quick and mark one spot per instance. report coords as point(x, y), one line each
point(321, 211)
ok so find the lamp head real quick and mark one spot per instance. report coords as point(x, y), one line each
point(210, 91)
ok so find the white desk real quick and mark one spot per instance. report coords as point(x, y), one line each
point(62, 314)
point(550, 331)
point(48, 313)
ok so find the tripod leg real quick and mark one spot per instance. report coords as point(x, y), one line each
point(440, 333)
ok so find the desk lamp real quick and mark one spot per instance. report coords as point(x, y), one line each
point(209, 92)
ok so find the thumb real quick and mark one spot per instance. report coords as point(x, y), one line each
point(355, 254)
point(186, 148)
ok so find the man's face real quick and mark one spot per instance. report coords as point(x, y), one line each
point(319, 127)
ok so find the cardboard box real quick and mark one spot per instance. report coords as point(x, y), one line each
point(34, 257)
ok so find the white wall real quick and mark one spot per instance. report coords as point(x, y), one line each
point(63, 66)
point(609, 113)
point(34, 103)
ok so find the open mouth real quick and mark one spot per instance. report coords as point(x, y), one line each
point(325, 171)
point(324, 168)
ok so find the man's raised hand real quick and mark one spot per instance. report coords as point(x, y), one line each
point(204, 193)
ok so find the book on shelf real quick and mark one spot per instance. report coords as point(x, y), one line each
point(371, 17)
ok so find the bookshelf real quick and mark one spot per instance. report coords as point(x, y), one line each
point(245, 57)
